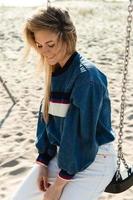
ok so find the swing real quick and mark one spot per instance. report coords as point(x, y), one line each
point(119, 183)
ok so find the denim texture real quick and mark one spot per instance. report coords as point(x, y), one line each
point(87, 123)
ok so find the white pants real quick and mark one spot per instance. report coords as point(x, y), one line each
point(88, 184)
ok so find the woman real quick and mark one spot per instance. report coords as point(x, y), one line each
point(76, 158)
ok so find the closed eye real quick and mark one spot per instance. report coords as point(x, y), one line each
point(51, 45)
point(40, 46)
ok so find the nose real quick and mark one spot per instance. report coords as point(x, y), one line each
point(45, 51)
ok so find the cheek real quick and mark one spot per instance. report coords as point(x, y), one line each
point(59, 51)
point(40, 51)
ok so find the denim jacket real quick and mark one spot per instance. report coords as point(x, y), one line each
point(79, 116)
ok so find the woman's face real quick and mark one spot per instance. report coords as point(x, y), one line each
point(50, 47)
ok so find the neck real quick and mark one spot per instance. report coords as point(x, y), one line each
point(62, 62)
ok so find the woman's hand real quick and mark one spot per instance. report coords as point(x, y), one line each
point(53, 193)
point(55, 190)
point(42, 179)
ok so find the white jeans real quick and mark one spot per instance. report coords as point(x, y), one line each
point(88, 184)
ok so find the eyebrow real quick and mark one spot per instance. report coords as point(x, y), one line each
point(46, 42)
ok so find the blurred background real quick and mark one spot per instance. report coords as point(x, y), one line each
point(101, 30)
point(21, 3)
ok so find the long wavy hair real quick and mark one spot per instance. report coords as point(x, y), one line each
point(58, 21)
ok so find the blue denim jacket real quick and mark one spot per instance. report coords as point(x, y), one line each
point(79, 116)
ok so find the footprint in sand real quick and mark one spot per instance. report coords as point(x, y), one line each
point(19, 134)
point(129, 138)
point(3, 188)
point(20, 139)
point(31, 141)
point(18, 171)
point(5, 136)
point(2, 195)
point(130, 117)
point(11, 163)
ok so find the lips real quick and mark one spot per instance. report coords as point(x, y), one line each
point(50, 58)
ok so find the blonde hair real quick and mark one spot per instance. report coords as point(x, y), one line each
point(58, 21)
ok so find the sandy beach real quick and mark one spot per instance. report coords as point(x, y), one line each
point(101, 29)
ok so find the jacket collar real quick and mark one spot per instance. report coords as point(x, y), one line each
point(59, 70)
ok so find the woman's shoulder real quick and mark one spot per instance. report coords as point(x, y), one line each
point(88, 71)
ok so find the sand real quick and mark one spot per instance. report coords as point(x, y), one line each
point(101, 29)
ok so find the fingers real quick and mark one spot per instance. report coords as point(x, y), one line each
point(40, 183)
point(46, 184)
point(43, 184)
point(49, 184)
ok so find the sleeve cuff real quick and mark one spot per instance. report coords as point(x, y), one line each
point(63, 174)
point(44, 158)
point(40, 163)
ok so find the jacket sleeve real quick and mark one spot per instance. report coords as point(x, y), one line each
point(78, 145)
point(46, 150)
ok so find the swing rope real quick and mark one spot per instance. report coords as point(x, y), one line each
point(118, 184)
point(48, 3)
point(124, 87)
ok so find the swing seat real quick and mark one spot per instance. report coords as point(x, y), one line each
point(122, 183)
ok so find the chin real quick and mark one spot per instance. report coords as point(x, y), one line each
point(51, 62)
